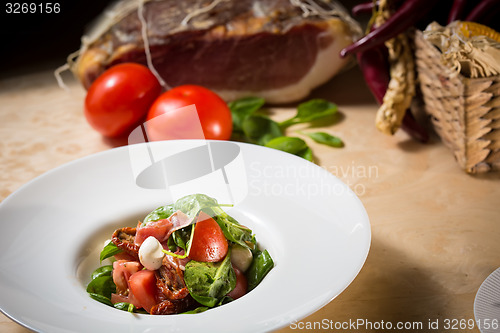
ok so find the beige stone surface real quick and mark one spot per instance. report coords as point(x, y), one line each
point(435, 229)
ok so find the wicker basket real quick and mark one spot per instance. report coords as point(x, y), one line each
point(465, 112)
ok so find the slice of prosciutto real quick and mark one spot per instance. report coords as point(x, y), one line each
point(276, 49)
point(162, 229)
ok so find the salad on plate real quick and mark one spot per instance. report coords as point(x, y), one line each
point(185, 257)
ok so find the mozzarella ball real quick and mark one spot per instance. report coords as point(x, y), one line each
point(151, 254)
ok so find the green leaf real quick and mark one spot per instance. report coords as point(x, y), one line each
point(311, 110)
point(109, 250)
point(102, 285)
point(187, 243)
point(100, 298)
point(261, 265)
point(260, 129)
point(326, 139)
point(159, 213)
point(233, 230)
point(125, 306)
point(192, 204)
point(102, 271)
point(287, 144)
point(306, 154)
point(209, 282)
point(242, 108)
point(292, 145)
point(181, 237)
point(199, 309)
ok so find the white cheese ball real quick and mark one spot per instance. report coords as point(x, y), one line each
point(241, 257)
point(151, 254)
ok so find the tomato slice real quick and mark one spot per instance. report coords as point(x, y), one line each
point(143, 286)
point(209, 243)
point(241, 285)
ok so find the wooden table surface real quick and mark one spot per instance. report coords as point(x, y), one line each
point(435, 229)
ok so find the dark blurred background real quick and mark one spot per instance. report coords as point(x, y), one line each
point(30, 41)
point(39, 41)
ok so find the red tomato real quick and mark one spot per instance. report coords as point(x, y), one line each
point(213, 114)
point(120, 98)
point(143, 286)
point(241, 285)
point(209, 243)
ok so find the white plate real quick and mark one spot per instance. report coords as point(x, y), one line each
point(314, 227)
point(487, 304)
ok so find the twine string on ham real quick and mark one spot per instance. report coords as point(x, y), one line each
point(147, 50)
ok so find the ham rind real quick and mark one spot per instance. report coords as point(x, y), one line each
point(275, 49)
point(162, 229)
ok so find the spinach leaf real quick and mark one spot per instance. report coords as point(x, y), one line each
point(209, 282)
point(326, 139)
point(109, 250)
point(159, 213)
point(261, 265)
point(199, 309)
point(100, 298)
point(102, 285)
point(306, 154)
point(181, 237)
point(260, 129)
point(233, 230)
point(292, 145)
point(287, 144)
point(102, 271)
point(192, 204)
point(311, 110)
point(242, 108)
point(125, 306)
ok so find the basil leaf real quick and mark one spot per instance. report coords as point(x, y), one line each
point(326, 139)
point(102, 285)
point(109, 250)
point(159, 213)
point(125, 306)
point(242, 108)
point(261, 265)
point(100, 298)
point(260, 129)
point(311, 110)
point(102, 271)
point(192, 204)
point(209, 282)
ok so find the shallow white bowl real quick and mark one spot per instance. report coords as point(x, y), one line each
point(314, 227)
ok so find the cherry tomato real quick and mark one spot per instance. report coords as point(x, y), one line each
point(209, 243)
point(241, 285)
point(143, 286)
point(174, 123)
point(119, 99)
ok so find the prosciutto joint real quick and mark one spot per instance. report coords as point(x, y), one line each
point(276, 49)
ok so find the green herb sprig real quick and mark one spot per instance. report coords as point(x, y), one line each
point(251, 125)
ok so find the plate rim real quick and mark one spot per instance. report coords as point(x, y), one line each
point(117, 150)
